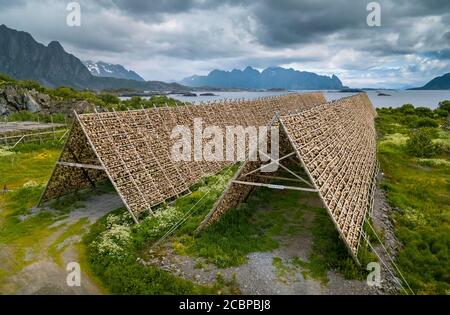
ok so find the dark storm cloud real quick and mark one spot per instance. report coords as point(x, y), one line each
point(153, 9)
point(292, 22)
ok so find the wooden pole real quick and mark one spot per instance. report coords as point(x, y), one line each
point(53, 127)
point(6, 123)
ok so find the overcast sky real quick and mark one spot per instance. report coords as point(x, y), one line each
point(172, 39)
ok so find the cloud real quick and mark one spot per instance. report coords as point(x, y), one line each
point(171, 39)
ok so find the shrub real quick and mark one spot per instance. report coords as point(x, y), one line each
point(426, 122)
point(419, 143)
point(445, 105)
point(441, 113)
point(407, 109)
point(6, 78)
point(109, 98)
point(423, 112)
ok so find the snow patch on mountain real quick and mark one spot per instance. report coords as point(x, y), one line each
point(103, 69)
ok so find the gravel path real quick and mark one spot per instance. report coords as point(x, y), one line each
point(259, 275)
point(45, 276)
point(24, 126)
point(382, 222)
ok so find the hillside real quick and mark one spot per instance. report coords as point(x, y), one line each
point(438, 83)
point(23, 58)
point(104, 69)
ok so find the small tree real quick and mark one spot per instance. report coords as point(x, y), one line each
point(426, 122)
point(445, 105)
point(423, 112)
point(109, 98)
point(419, 143)
point(407, 109)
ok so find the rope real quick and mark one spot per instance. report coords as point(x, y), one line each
point(186, 215)
point(382, 261)
point(389, 256)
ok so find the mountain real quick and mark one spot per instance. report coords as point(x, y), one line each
point(23, 58)
point(439, 83)
point(103, 69)
point(270, 78)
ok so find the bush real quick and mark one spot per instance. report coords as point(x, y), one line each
point(441, 113)
point(407, 109)
point(426, 122)
point(419, 143)
point(5, 78)
point(109, 98)
point(423, 112)
point(24, 115)
point(445, 105)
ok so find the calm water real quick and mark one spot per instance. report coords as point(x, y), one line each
point(398, 97)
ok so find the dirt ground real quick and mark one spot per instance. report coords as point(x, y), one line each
point(46, 276)
point(259, 275)
point(26, 126)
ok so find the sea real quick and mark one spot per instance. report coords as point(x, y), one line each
point(394, 98)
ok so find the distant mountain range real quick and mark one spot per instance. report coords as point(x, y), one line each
point(104, 69)
point(270, 78)
point(22, 58)
point(438, 83)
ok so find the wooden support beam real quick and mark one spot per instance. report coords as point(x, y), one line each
point(280, 178)
point(281, 187)
point(81, 165)
point(266, 165)
point(288, 170)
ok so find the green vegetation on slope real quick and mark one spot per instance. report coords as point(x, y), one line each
point(103, 99)
point(420, 189)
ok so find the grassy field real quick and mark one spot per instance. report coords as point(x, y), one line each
point(23, 173)
point(419, 188)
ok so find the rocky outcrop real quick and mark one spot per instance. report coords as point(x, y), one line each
point(14, 98)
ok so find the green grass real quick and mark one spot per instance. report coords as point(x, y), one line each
point(329, 252)
point(255, 226)
point(24, 174)
point(250, 229)
point(22, 167)
point(283, 269)
point(22, 234)
point(123, 274)
point(117, 266)
point(57, 247)
point(417, 188)
point(420, 189)
point(247, 229)
point(41, 117)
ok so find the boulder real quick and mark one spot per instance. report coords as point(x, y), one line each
point(14, 98)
